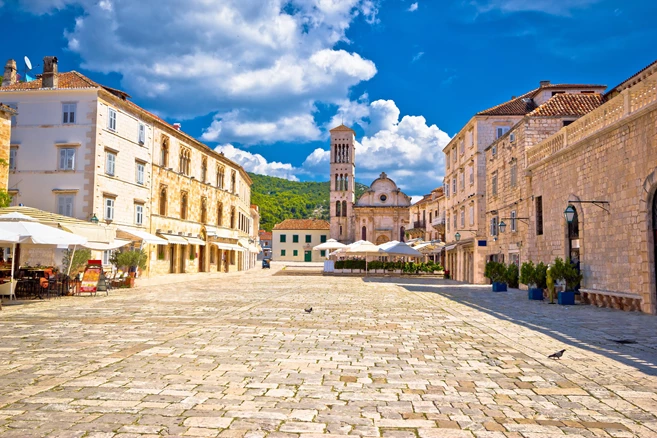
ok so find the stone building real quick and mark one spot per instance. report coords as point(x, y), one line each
point(86, 151)
point(265, 242)
point(379, 215)
point(294, 240)
point(7, 114)
point(427, 217)
point(604, 166)
point(507, 191)
point(465, 178)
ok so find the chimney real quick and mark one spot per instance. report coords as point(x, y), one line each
point(177, 126)
point(10, 73)
point(50, 78)
point(544, 83)
point(513, 97)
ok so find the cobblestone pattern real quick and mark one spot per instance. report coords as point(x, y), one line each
point(238, 357)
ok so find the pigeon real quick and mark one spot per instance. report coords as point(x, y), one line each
point(557, 355)
point(308, 310)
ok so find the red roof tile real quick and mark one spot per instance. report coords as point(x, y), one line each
point(342, 128)
point(567, 104)
point(515, 107)
point(303, 224)
point(67, 80)
point(265, 235)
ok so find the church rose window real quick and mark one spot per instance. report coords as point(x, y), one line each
point(383, 198)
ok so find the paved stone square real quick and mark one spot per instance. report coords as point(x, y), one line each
point(391, 357)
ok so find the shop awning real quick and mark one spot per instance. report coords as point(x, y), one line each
point(228, 246)
point(211, 231)
point(98, 246)
point(175, 239)
point(450, 247)
point(195, 241)
point(93, 233)
point(143, 235)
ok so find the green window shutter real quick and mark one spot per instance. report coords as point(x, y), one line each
point(322, 238)
point(295, 253)
point(283, 253)
point(322, 253)
point(309, 238)
point(295, 238)
point(282, 238)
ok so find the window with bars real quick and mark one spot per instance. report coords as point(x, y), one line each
point(68, 113)
point(539, 215)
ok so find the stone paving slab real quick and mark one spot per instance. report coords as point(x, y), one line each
point(236, 356)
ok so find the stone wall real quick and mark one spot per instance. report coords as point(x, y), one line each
point(5, 140)
point(615, 164)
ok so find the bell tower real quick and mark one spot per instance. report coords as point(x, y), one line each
point(343, 171)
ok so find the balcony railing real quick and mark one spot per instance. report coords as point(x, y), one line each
point(419, 224)
point(620, 107)
point(438, 221)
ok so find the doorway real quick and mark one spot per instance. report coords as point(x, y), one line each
point(172, 259)
point(201, 258)
point(181, 259)
point(307, 256)
point(573, 239)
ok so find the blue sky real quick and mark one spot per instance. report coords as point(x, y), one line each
point(263, 80)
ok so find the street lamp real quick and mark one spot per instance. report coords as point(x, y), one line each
point(502, 226)
point(457, 236)
point(569, 213)
point(94, 219)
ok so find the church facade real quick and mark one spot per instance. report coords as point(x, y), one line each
point(380, 215)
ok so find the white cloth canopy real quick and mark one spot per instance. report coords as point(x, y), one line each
point(195, 241)
point(99, 246)
point(175, 239)
point(400, 249)
point(9, 237)
point(227, 246)
point(144, 236)
point(34, 232)
point(363, 247)
point(330, 245)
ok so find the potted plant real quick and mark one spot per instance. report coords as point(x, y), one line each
point(512, 275)
point(528, 277)
point(497, 273)
point(572, 279)
point(131, 260)
point(541, 277)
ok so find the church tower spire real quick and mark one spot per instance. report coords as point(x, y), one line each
point(342, 183)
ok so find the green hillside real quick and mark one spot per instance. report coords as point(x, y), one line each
point(280, 199)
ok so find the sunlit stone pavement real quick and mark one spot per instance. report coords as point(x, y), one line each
point(237, 356)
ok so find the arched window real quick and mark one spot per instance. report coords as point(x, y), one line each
point(163, 201)
point(363, 233)
point(220, 214)
point(232, 181)
point(164, 152)
point(204, 210)
point(346, 182)
point(344, 208)
point(232, 218)
point(185, 160)
point(183, 205)
point(337, 187)
point(338, 209)
point(204, 169)
point(402, 234)
point(341, 230)
point(220, 177)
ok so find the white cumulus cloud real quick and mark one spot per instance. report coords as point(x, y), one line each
point(256, 163)
point(553, 7)
point(413, 7)
point(255, 64)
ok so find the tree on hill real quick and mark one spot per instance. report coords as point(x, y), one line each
point(281, 199)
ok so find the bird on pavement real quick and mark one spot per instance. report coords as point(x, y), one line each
point(557, 355)
point(308, 310)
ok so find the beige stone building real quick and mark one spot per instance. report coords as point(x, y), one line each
point(294, 240)
point(6, 116)
point(604, 166)
point(465, 179)
point(84, 150)
point(508, 197)
point(380, 214)
point(427, 217)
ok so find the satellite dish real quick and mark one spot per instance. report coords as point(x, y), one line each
point(28, 64)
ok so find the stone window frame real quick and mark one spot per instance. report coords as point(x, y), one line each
point(137, 205)
point(204, 209)
point(493, 184)
point(221, 174)
point(220, 214)
point(164, 151)
point(110, 164)
point(69, 113)
point(59, 195)
point(184, 205)
point(163, 200)
point(233, 221)
point(13, 151)
point(472, 213)
point(514, 221)
point(185, 161)
point(109, 206)
point(538, 203)
point(143, 172)
point(141, 133)
point(204, 169)
point(295, 238)
point(72, 147)
point(514, 172)
point(111, 119)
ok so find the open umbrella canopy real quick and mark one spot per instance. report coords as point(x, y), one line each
point(400, 249)
point(9, 237)
point(330, 245)
point(34, 232)
point(363, 247)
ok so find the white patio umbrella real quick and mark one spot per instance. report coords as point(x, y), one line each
point(364, 247)
point(13, 238)
point(400, 249)
point(34, 232)
point(330, 245)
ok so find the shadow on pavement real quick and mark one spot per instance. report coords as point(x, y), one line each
point(584, 326)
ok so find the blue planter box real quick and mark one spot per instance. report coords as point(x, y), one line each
point(566, 298)
point(535, 294)
point(499, 287)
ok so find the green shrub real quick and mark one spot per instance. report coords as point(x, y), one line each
point(131, 259)
point(496, 272)
point(528, 274)
point(541, 275)
point(79, 261)
point(512, 275)
point(571, 276)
